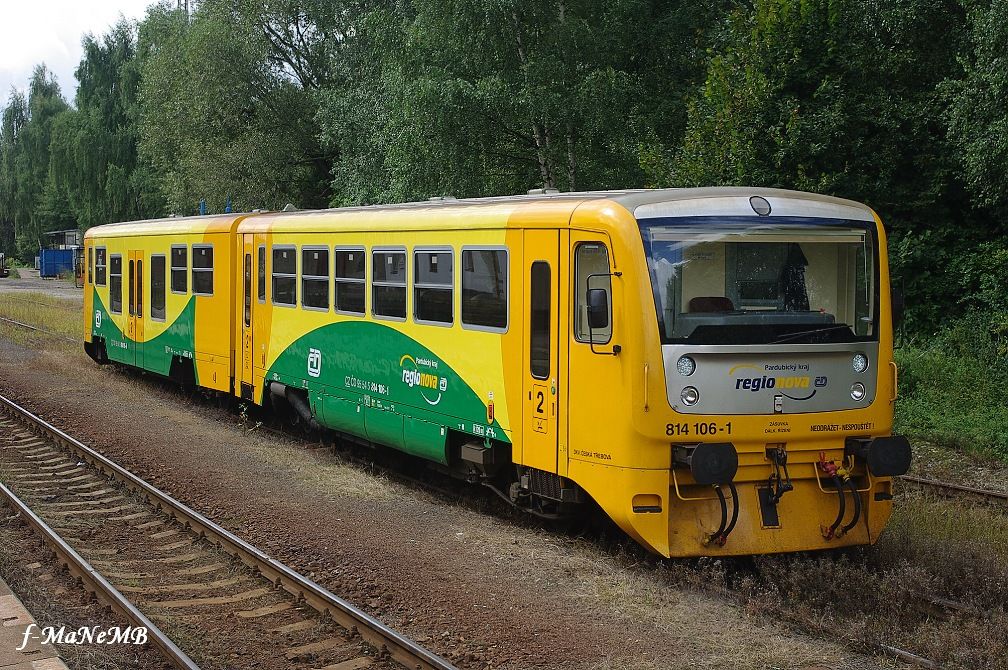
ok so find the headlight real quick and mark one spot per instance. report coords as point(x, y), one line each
point(857, 391)
point(859, 363)
point(685, 365)
point(690, 395)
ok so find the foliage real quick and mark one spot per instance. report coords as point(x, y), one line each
point(94, 158)
point(977, 110)
point(227, 109)
point(483, 97)
point(952, 386)
point(29, 201)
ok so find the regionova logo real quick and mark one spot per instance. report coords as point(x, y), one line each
point(796, 383)
point(422, 373)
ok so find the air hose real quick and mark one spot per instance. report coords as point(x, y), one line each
point(723, 537)
point(716, 536)
point(857, 505)
point(843, 507)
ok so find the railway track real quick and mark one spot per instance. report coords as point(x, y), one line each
point(36, 329)
point(164, 566)
point(953, 489)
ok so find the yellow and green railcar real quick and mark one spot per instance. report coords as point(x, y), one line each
point(713, 367)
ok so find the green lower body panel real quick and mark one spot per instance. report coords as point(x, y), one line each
point(345, 416)
point(384, 427)
point(425, 439)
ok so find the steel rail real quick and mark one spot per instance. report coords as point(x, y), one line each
point(39, 330)
point(94, 582)
point(399, 647)
point(958, 488)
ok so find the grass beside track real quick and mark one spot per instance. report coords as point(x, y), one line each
point(933, 546)
point(952, 389)
point(42, 311)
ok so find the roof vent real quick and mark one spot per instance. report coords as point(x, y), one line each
point(543, 191)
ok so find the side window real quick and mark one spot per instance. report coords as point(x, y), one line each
point(591, 268)
point(388, 282)
point(315, 278)
point(90, 265)
point(157, 287)
point(540, 314)
point(262, 274)
point(115, 284)
point(350, 280)
point(179, 269)
point(433, 286)
point(284, 276)
point(100, 267)
point(202, 269)
point(485, 288)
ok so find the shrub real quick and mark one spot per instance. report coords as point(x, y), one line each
point(951, 385)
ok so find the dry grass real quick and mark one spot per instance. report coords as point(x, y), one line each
point(61, 318)
point(932, 547)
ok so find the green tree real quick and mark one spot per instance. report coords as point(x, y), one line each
point(31, 202)
point(978, 104)
point(842, 97)
point(222, 115)
point(94, 147)
point(480, 97)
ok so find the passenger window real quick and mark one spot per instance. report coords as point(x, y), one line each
point(90, 265)
point(179, 268)
point(284, 276)
point(591, 268)
point(484, 288)
point(315, 278)
point(247, 285)
point(202, 269)
point(388, 279)
point(433, 285)
point(350, 281)
point(100, 266)
point(539, 320)
point(157, 287)
point(262, 274)
point(115, 284)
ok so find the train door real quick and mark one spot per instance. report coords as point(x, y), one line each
point(135, 293)
point(249, 268)
point(541, 369)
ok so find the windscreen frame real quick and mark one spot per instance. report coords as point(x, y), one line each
point(646, 224)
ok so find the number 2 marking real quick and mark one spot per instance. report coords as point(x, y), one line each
point(541, 397)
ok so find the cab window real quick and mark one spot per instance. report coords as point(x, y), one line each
point(591, 268)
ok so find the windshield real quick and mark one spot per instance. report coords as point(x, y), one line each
point(742, 281)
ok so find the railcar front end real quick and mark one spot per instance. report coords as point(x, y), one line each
point(765, 384)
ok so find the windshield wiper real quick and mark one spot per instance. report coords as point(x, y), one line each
point(803, 333)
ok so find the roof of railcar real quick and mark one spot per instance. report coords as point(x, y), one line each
point(479, 212)
point(176, 225)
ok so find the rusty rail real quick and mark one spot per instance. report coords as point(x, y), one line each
point(399, 647)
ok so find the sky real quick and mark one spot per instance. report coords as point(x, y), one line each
point(50, 31)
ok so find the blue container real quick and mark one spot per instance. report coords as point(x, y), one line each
point(54, 261)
